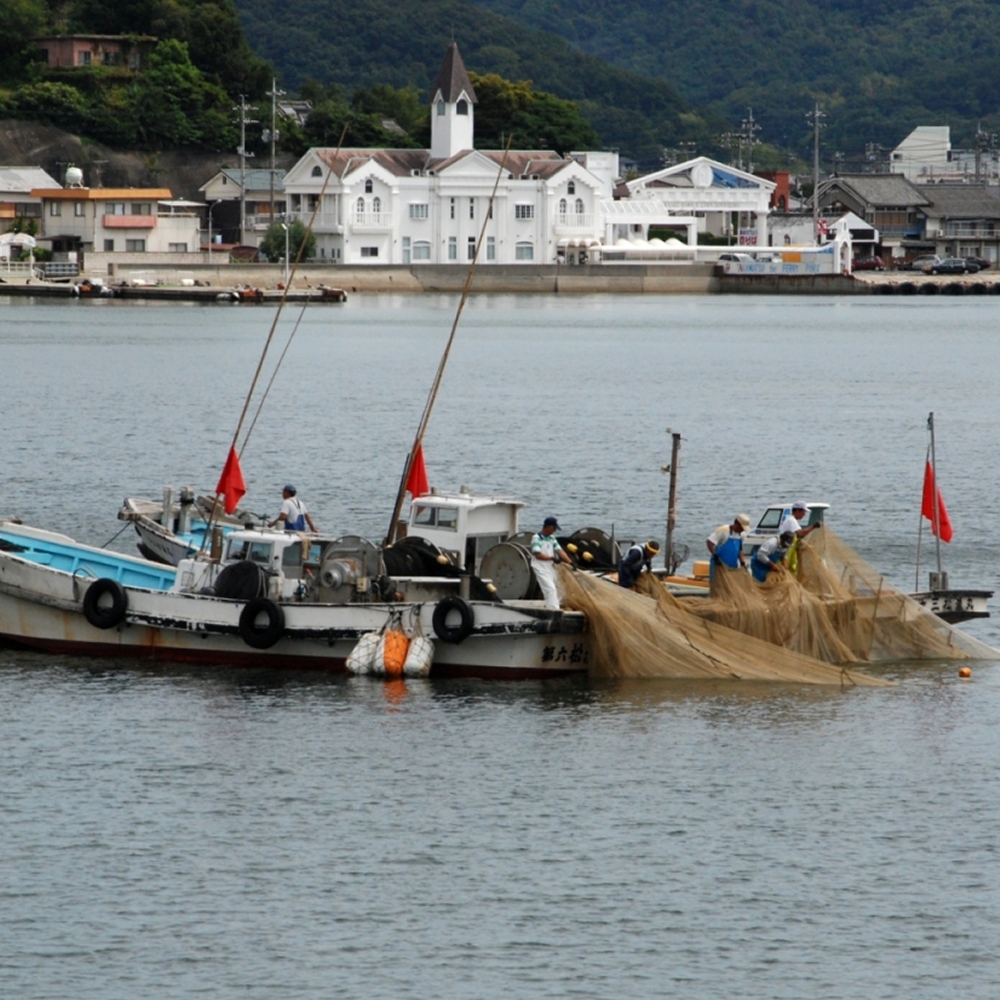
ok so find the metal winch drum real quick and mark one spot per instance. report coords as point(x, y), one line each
point(508, 566)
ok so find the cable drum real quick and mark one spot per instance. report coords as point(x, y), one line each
point(241, 581)
point(508, 566)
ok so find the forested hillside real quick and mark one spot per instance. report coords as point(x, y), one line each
point(402, 42)
point(878, 67)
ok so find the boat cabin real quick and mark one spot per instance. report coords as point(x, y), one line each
point(463, 526)
point(771, 520)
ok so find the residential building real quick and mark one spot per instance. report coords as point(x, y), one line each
point(16, 198)
point(411, 206)
point(223, 191)
point(961, 220)
point(75, 51)
point(117, 220)
point(887, 202)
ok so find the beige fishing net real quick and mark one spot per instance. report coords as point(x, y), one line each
point(803, 627)
point(633, 635)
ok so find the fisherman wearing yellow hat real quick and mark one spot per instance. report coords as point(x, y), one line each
point(637, 560)
point(726, 544)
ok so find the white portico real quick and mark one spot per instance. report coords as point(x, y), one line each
point(703, 189)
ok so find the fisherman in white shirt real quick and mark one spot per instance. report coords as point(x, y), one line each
point(791, 522)
point(545, 550)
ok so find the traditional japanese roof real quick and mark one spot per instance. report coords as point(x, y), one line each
point(23, 179)
point(452, 78)
point(881, 190)
point(960, 201)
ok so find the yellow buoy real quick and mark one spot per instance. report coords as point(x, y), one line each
point(570, 547)
point(965, 672)
point(588, 557)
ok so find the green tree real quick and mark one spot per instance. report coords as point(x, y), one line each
point(53, 103)
point(404, 106)
point(20, 22)
point(273, 243)
point(536, 119)
point(175, 105)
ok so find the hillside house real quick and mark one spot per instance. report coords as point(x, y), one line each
point(76, 51)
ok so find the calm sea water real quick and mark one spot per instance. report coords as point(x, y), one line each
point(169, 832)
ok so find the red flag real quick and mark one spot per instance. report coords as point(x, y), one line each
point(231, 481)
point(416, 482)
point(927, 506)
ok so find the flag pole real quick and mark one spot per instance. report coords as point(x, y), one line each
point(937, 514)
point(920, 524)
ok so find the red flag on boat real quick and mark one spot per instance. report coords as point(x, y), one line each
point(416, 482)
point(231, 483)
point(927, 506)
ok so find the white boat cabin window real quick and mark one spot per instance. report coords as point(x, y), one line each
point(771, 520)
point(448, 518)
point(424, 516)
point(258, 552)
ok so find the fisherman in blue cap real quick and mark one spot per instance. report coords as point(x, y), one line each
point(293, 512)
point(545, 550)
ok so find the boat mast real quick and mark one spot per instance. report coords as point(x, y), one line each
point(937, 514)
point(672, 501)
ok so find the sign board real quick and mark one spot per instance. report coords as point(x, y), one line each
point(748, 237)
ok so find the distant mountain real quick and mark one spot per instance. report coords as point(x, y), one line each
point(402, 42)
point(877, 67)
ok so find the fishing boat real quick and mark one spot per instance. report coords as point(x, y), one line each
point(170, 532)
point(262, 597)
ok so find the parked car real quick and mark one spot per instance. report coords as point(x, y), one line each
point(952, 265)
point(919, 263)
point(737, 258)
point(868, 264)
point(981, 262)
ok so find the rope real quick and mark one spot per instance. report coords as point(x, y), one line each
point(432, 395)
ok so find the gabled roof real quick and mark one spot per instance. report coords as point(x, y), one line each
point(257, 180)
point(452, 78)
point(701, 172)
point(399, 162)
point(23, 179)
point(882, 190)
point(543, 163)
point(960, 201)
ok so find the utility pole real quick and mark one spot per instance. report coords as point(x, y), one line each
point(244, 109)
point(748, 134)
point(274, 94)
point(817, 117)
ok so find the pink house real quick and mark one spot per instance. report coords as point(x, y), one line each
point(95, 50)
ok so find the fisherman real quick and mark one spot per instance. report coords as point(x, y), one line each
point(726, 544)
point(637, 560)
point(792, 521)
point(770, 556)
point(545, 550)
point(293, 512)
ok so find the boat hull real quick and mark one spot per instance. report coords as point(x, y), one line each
point(41, 609)
point(955, 606)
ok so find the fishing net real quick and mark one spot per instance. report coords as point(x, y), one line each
point(635, 635)
point(835, 607)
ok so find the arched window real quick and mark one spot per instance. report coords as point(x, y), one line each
point(368, 186)
point(462, 108)
point(317, 171)
point(359, 208)
point(524, 251)
point(578, 207)
point(440, 107)
point(562, 206)
point(421, 250)
point(571, 187)
point(377, 206)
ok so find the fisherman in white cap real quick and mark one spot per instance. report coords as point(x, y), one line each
point(294, 513)
point(792, 522)
point(726, 544)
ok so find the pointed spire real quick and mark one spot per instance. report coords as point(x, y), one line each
point(452, 78)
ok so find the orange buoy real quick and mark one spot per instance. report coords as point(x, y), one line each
point(965, 672)
point(394, 649)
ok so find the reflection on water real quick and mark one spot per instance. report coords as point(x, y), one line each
point(169, 830)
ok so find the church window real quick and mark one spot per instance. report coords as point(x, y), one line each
point(562, 206)
point(377, 206)
point(524, 251)
point(368, 186)
point(579, 206)
point(571, 187)
point(317, 171)
point(359, 209)
point(524, 211)
point(440, 107)
point(462, 108)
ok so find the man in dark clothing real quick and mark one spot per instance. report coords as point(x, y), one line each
point(637, 559)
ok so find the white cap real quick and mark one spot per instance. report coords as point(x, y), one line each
point(800, 505)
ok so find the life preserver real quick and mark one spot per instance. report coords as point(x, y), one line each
point(105, 617)
point(257, 636)
point(453, 633)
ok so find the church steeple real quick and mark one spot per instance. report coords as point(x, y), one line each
point(452, 100)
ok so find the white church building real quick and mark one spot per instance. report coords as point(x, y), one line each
point(407, 206)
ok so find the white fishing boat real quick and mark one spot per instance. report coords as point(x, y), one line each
point(280, 599)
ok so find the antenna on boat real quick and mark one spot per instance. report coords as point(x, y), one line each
point(432, 396)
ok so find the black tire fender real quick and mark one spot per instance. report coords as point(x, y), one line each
point(261, 636)
point(453, 633)
point(101, 616)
